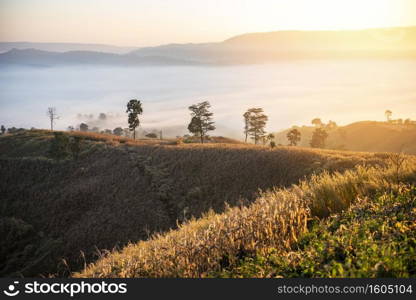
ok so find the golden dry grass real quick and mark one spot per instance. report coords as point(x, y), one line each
point(116, 192)
point(274, 220)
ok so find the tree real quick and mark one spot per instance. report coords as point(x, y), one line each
point(317, 122)
point(195, 127)
point(134, 109)
point(246, 116)
point(52, 115)
point(70, 128)
point(108, 131)
point(388, 113)
point(118, 131)
point(102, 116)
point(257, 122)
point(59, 146)
point(201, 121)
point(83, 127)
point(268, 138)
point(151, 135)
point(319, 137)
point(294, 137)
point(3, 129)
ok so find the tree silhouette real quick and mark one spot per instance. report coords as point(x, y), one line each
point(3, 129)
point(134, 109)
point(388, 113)
point(246, 116)
point(118, 131)
point(151, 135)
point(319, 137)
point(201, 121)
point(317, 122)
point(83, 127)
point(256, 123)
point(294, 137)
point(52, 115)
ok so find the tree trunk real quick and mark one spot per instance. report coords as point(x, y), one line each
point(51, 124)
point(134, 134)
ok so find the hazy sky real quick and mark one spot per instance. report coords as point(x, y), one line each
point(152, 22)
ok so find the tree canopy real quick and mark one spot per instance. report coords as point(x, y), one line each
point(201, 122)
point(134, 109)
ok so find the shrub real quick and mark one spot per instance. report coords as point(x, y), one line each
point(59, 146)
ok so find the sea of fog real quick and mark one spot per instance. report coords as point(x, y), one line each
point(291, 93)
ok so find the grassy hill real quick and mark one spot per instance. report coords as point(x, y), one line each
point(57, 215)
point(375, 237)
point(368, 136)
point(360, 223)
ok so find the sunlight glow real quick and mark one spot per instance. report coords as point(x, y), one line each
point(152, 22)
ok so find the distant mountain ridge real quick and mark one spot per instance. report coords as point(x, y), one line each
point(65, 47)
point(244, 49)
point(39, 58)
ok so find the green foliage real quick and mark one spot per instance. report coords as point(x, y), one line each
point(151, 135)
point(75, 146)
point(59, 147)
point(24, 251)
point(134, 109)
point(201, 121)
point(374, 238)
point(256, 120)
point(118, 131)
point(83, 127)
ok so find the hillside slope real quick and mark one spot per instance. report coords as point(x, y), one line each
point(119, 191)
point(362, 136)
point(374, 238)
point(275, 236)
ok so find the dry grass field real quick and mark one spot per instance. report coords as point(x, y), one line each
point(200, 207)
point(275, 221)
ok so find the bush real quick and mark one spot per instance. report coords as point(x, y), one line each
point(59, 146)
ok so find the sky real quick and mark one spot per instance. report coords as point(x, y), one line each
point(152, 22)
